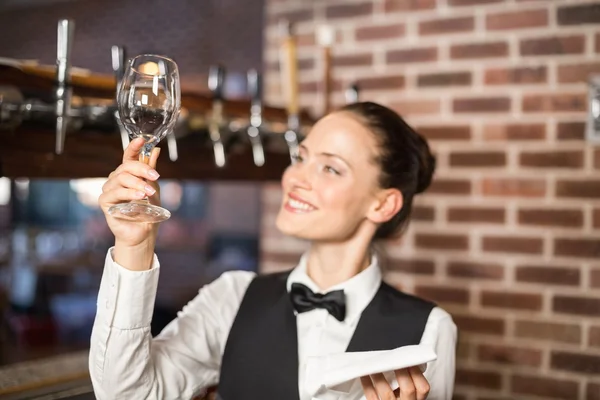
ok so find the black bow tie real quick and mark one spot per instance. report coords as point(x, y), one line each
point(305, 299)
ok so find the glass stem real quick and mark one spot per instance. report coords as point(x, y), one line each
point(145, 154)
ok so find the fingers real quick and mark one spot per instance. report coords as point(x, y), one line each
point(154, 157)
point(421, 385)
point(406, 385)
point(382, 387)
point(136, 168)
point(368, 388)
point(119, 195)
point(132, 151)
point(129, 181)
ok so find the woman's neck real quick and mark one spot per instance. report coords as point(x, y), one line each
point(329, 264)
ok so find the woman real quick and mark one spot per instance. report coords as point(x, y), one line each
point(264, 337)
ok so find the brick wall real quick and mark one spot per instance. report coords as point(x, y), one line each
point(508, 237)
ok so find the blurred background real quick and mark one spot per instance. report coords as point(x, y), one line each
point(507, 239)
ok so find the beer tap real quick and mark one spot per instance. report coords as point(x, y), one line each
point(352, 94)
point(64, 90)
point(289, 69)
point(216, 81)
point(118, 65)
point(254, 88)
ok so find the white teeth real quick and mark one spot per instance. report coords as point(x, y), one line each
point(300, 205)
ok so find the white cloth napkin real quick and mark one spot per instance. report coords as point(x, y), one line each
point(337, 376)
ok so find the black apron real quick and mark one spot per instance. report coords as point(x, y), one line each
point(260, 361)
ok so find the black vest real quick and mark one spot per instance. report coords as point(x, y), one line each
point(260, 361)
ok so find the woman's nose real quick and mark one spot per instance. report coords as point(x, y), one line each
point(299, 176)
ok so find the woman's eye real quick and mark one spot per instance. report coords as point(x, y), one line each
point(296, 158)
point(331, 170)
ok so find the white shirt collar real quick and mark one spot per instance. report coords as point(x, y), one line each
point(359, 290)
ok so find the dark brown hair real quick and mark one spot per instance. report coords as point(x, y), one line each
point(404, 157)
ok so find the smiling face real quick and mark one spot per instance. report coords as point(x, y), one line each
point(332, 189)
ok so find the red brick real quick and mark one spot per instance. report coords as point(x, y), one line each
point(412, 55)
point(417, 107)
point(379, 32)
point(484, 325)
point(576, 305)
point(517, 75)
point(555, 45)
point(479, 50)
point(349, 10)
point(551, 217)
point(450, 186)
point(461, 3)
point(474, 215)
point(555, 159)
point(445, 132)
point(462, 269)
point(411, 266)
point(555, 102)
point(478, 159)
point(578, 14)
point(352, 60)
point(441, 241)
point(423, 213)
point(544, 387)
point(440, 294)
point(594, 336)
point(382, 83)
point(574, 73)
point(517, 20)
point(515, 132)
point(507, 187)
point(512, 244)
point(548, 275)
point(548, 331)
point(308, 87)
point(575, 362)
point(509, 355)
point(481, 105)
point(447, 25)
point(595, 278)
point(570, 131)
point(409, 5)
point(478, 378)
point(592, 391)
point(583, 248)
point(584, 189)
point(515, 301)
point(444, 79)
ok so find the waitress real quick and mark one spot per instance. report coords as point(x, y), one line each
point(254, 336)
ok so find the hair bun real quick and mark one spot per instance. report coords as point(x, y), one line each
point(427, 164)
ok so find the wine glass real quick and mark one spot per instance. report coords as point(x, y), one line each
point(149, 100)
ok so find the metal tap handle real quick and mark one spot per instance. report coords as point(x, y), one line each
point(254, 89)
point(216, 81)
point(119, 59)
point(66, 30)
point(352, 94)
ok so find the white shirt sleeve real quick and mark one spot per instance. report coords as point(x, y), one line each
point(183, 360)
point(441, 334)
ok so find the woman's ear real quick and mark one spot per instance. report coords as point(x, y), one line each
point(388, 203)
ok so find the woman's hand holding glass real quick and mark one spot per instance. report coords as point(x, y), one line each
point(132, 180)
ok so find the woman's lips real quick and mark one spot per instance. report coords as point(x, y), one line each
point(296, 204)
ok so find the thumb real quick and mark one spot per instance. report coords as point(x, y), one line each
point(154, 157)
point(132, 151)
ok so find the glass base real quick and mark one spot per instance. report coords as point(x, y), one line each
point(139, 212)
